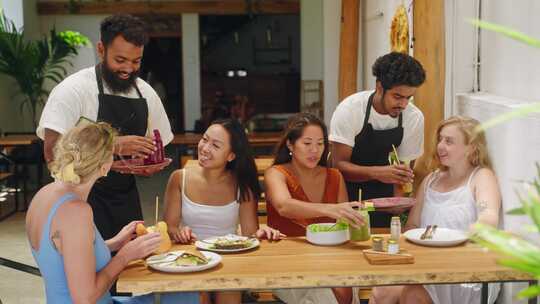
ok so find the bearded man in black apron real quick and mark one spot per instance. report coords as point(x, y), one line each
point(365, 125)
point(111, 92)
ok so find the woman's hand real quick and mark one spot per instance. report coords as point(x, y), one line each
point(140, 247)
point(183, 235)
point(346, 212)
point(125, 235)
point(269, 233)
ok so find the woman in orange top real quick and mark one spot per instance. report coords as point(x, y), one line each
point(296, 196)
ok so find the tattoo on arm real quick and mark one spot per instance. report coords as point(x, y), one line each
point(54, 237)
point(481, 206)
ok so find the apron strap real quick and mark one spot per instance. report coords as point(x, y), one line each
point(368, 110)
point(100, 81)
point(98, 78)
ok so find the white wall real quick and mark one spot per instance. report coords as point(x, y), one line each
point(376, 19)
point(331, 30)
point(508, 79)
point(460, 57)
point(191, 65)
point(510, 68)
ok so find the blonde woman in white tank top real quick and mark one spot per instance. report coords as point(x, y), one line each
point(463, 190)
point(212, 198)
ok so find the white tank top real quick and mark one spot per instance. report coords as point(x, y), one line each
point(455, 209)
point(206, 220)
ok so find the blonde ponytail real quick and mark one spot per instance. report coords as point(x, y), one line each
point(81, 152)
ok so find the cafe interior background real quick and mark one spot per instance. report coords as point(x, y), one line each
point(294, 60)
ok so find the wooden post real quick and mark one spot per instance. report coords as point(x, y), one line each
point(348, 52)
point(429, 37)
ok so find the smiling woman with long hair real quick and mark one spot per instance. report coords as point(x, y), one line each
point(212, 198)
point(462, 190)
point(301, 190)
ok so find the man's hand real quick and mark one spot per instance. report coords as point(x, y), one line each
point(394, 174)
point(135, 146)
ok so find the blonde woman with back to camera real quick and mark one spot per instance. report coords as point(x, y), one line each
point(461, 191)
point(74, 260)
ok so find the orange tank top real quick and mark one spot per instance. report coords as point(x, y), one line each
point(297, 227)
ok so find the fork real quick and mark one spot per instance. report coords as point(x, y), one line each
point(169, 257)
point(430, 236)
point(426, 233)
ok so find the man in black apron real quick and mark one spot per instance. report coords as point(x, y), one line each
point(114, 198)
point(360, 148)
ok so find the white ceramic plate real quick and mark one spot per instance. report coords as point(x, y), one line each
point(214, 260)
point(207, 244)
point(443, 237)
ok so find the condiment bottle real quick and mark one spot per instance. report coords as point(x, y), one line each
point(395, 228)
point(158, 155)
point(393, 246)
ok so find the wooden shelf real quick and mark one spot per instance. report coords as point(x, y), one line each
point(217, 7)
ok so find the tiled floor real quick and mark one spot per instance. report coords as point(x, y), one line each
point(21, 288)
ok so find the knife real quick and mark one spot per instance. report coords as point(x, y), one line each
point(425, 234)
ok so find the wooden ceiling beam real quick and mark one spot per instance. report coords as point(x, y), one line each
point(217, 7)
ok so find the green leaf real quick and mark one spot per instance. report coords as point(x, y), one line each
point(506, 31)
point(517, 211)
point(529, 292)
point(499, 119)
point(520, 265)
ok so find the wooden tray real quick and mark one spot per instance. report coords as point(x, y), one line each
point(384, 258)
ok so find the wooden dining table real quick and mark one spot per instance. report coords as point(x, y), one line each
point(294, 263)
point(18, 140)
point(261, 163)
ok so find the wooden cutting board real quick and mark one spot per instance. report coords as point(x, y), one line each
point(384, 258)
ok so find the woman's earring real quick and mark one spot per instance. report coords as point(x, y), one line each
point(290, 153)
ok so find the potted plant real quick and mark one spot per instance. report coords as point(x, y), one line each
point(31, 63)
point(520, 254)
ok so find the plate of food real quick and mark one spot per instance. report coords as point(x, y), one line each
point(136, 165)
point(228, 243)
point(392, 202)
point(440, 237)
point(191, 260)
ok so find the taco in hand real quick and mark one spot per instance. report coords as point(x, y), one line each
point(161, 227)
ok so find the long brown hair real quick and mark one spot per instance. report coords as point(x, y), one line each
point(243, 166)
point(473, 137)
point(295, 128)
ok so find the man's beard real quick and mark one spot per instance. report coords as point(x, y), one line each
point(113, 80)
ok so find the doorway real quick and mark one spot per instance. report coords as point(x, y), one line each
point(162, 69)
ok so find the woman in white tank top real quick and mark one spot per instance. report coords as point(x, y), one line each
point(217, 195)
point(463, 190)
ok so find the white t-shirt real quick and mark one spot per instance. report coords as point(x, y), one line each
point(77, 96)
point(348, 120)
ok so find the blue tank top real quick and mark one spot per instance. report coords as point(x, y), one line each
point(51, 263)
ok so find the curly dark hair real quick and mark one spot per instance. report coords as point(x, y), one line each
point(396, 69)
point(131, 28)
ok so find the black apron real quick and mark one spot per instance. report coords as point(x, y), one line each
point(114, 198)
point(371, 148)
